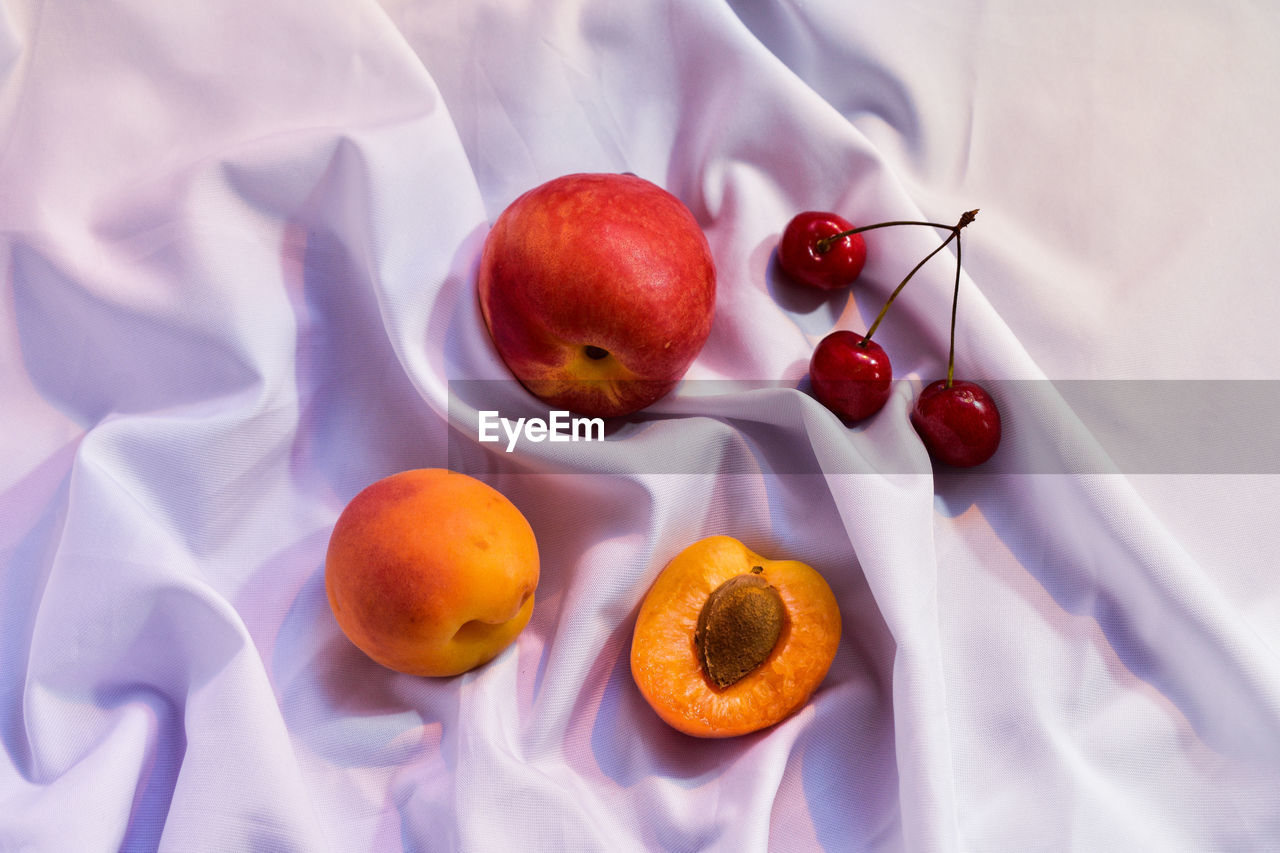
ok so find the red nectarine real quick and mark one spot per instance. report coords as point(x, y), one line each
point(598, 291)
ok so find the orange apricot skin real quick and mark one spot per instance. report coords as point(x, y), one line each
point(431, 572)
point(664, 658)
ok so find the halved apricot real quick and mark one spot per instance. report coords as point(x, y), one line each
point(702, 652)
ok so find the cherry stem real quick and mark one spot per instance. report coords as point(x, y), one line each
point(955, 300)
point(965, 219)
point(825, 243)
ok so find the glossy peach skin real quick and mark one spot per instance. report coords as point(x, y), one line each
point(607, 261)
point(664, 660)
point(431, 572)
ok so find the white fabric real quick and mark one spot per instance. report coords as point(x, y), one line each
point(239, 243)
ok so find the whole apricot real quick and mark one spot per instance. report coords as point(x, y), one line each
point(431, 572)
point(728, 642)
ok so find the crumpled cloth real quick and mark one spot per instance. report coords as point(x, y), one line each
point(239, 244)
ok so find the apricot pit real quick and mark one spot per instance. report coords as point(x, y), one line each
point(738, 627)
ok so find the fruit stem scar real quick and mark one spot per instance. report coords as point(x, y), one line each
point(967, 217)
point(755, 570)
point(595, 353)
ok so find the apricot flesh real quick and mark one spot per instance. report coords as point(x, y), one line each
point(431, 572)
point(665, 660)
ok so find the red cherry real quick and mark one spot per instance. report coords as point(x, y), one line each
point(830, 265)
point(850, 375)
point(959, 423)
